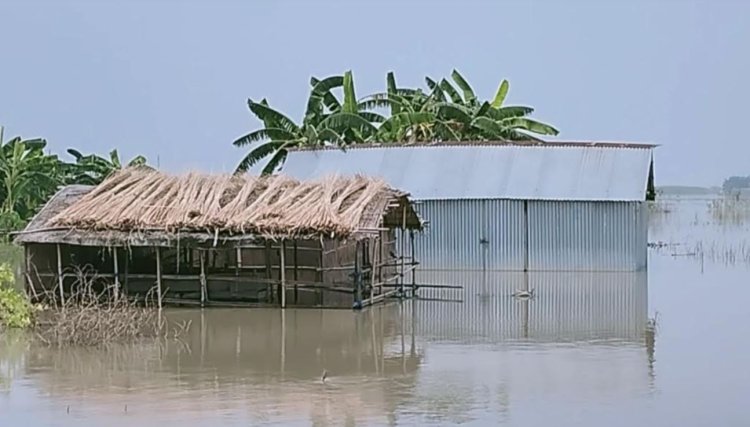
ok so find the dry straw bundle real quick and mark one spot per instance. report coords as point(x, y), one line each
point(276, 206)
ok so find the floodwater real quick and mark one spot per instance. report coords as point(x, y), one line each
point(579, 353)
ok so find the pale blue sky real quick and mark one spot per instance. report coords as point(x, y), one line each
point(171, 78)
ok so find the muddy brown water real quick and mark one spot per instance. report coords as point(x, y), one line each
point(578, 353)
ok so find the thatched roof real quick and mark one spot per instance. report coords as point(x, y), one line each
point(139, 206)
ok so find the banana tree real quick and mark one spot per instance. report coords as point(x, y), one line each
point(413, 114)
point(490, 120)
point(327, 121)
point(28, 176)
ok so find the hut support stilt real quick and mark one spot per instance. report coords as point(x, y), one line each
point(204, 288)
point(27, 272)
point(158, 276)
point(296, 273)
point(125, 274)
point(375, 261)
point(117, 273)
point(269, 275)
point(357, 276)
point(238, 252)
point(60, 278)
point(321, 272)
point(403, 250)
point(282, 253)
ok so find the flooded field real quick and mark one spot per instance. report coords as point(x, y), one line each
point(663, 347)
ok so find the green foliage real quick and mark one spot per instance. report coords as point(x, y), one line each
point(15, 309)
point(448, 111)
point(327, 121)
point(93, 169)
point(29, 177)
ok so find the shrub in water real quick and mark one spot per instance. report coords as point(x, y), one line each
point(15, 309)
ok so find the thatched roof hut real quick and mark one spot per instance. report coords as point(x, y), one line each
point(225, 238)
point(142, 207)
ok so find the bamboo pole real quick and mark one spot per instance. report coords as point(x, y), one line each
point(204, 291)
point(357, 278)
point(422, 285)
point(403, 248)
point(269, 275)
point(283, 274)
point(380, 257)
point(296, 273)
point(375, 261)
point(321, 272)
point(238, 252)
point(237, 269)
point(60, 275)
point(27, 267)
point(127, 269)
point(380, 297)
point(158, 276)
point(117, 273)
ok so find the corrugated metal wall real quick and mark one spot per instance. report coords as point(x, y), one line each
point(512, 235)
point(471, 235)
point(585, 236)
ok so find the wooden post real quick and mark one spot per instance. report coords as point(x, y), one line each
point(125, 273)
point(403, 249)
point(296, 273)
point(27, 271)
point(238, 252)
point(321, 273)
point(60, 275)
point(238, 270)
point(158, 276)
point(117, 273)
point(283, 274)
point(376, 261)
point(204, 290)
point(381, 256)
point(357, 277)
point(269, 274)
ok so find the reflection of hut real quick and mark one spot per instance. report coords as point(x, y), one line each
point(500, 206)
point(219, 239)
point(242, 362)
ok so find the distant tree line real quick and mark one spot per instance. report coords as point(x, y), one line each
point(735, 183)
point(29, 176)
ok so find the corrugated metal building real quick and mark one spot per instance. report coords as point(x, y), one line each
point(504, 207)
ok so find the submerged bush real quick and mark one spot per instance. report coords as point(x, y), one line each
point(95, 312)
point(15, 309)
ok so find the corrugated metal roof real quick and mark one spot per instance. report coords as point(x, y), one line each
point(489, 172)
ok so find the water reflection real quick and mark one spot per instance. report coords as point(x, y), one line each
point(707, 230)
point(401, 363)
point(567, 306)
point(583, 335)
